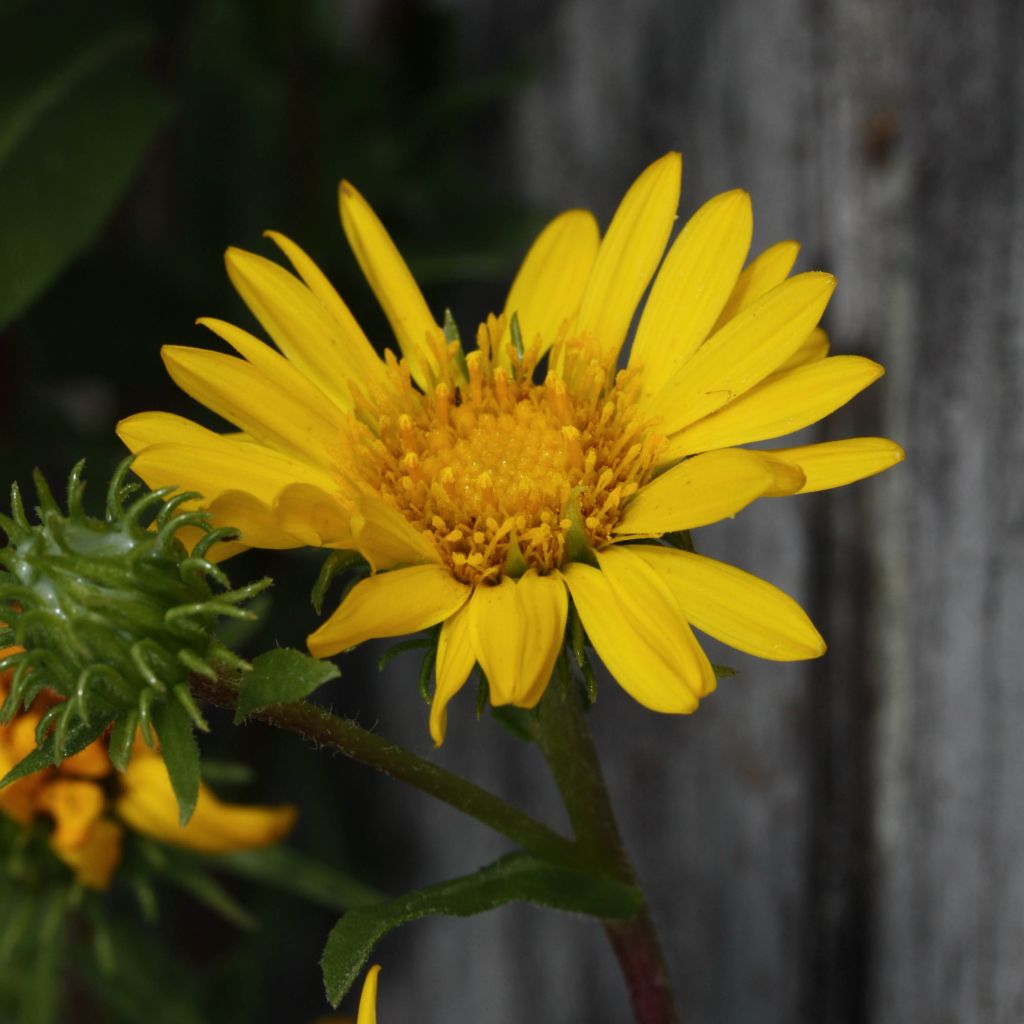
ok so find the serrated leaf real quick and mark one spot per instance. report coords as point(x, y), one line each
point(77, 117)
point(281, 676)
point(180, 753)
point(77, 738)
point(519, 877)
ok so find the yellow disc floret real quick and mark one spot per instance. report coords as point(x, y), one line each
point(497, 469)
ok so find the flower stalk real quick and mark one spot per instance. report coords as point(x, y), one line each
point(564, 738)
point(359, 744)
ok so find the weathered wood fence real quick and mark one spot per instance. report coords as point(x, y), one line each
point(843, 841)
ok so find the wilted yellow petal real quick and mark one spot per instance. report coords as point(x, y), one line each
point(147, 805)
point(697, 492)
point(75, 805)
point(765, 272)
point(735, 607)
point(96, 860)
point(691, 287)
point(390, 604)
point(744, 351)
point(391, 281)
point(837, 463)
point(784, 403)
point(638, 631)
point(547, 290)
point(455, 661)
point(629, 254)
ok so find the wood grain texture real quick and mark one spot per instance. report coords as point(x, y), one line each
point(841, 842)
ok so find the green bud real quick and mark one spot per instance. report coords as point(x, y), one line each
point(113, 613)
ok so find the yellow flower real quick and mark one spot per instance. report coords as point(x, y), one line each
point(487, 488)
point(88, 828)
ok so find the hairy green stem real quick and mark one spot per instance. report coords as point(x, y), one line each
point(352, 740)
point(565, 739)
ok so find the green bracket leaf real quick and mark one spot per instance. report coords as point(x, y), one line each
point(519, 877)
point(180, 753)
point(282, 676)
point(77, 738)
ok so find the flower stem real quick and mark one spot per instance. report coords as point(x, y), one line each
point(352, 740)
point(565, 739)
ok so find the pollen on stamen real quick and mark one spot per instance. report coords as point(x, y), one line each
point(484, 463)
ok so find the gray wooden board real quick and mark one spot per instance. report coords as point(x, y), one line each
point(843, 841)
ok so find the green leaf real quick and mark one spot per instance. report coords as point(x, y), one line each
point(290, 871)
point(77, 738)
point(180, 753)
point(281, 676)
point(518, 877)
point(76, 118)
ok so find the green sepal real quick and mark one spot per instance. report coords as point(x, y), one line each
point(517, 336)
point(281, 676)
point(180, 753)
point(520, 722)
point(518, 877)
point(76, 739)
point(680, 539)
point(723, 671)
point(577, 546)
point(335, 564)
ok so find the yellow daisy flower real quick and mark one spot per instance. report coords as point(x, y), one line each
point(488, 488)
point(88, 827)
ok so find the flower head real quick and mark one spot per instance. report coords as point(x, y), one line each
point(88, 804)
point(487, 488)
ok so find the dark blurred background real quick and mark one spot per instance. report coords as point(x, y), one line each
point(841, 841)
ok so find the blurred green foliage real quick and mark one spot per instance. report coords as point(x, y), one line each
point(139, 139)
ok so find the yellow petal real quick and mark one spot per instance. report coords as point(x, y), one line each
point(283, 373)
point(219, 465)
point(547, 290)
point(386, 539)
point(455, 661)
point(814, 347)
point(303, 508)
point(697, 492)
point(368, 1000)
point(837, 463)
point(390, 604)
point(695, 280)
point(146, 428)
point(784, 403)
point(735, 607)
point(543, 609)
point(517, 628)
point(260, 527)
point(361, 360)
point(391, 281)
point(147, 805)
point(629, 254)
point(765, 272)
point(263, 407)
point(96, 860)
point(638, 631)
point(744, 351)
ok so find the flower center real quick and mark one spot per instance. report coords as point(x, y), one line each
point(498, 470)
